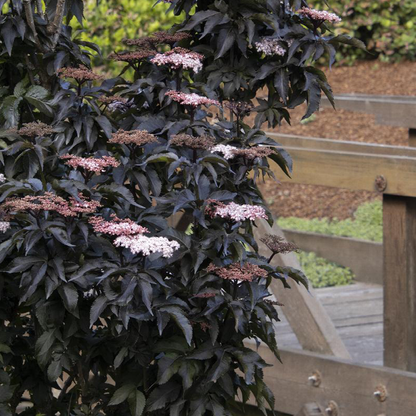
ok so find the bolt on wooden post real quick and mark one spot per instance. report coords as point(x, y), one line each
point(399, 250)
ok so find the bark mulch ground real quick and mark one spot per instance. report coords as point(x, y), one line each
point(366, 78)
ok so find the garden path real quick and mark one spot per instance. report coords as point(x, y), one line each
point(357, 313)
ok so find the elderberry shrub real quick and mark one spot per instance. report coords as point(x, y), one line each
point(109, 304)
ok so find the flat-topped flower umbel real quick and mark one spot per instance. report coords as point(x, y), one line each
point(90, 164)
point(270, 47)
point(140, 244)
point(192, 99)
point(116, 226)
point(50, 202)
point(234, 211)
point(321, 16)
point(180, 58)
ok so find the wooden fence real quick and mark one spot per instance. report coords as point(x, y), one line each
point(340, 386)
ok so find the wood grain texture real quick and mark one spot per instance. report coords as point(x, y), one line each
point(311, 409)
point(389, 110)
point(351, 170)
point(307, 317)
point(399, 219)
point(364, 258)
point(351, 386)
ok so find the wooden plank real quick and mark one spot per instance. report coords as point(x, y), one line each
point(307, 317)
point(397, 111)
point(349, 170)
point(364, 258)
point(351, 386)
point(290, 140)
point(311, 409)
point(399, 219)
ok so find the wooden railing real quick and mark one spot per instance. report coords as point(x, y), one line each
point(391, 171)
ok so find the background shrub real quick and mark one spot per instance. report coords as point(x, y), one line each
point(323, 273)
point(388, 28)
point(366, 225)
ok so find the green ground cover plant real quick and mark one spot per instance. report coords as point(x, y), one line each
point(323, 273)
point(367, 224)
point(107, 307)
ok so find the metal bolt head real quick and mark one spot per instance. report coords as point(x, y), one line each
point(332, 409)
point(315, 379)
point(381, 393)
point(380, 183)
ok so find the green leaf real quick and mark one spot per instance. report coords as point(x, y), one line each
point(121, 394)
point(10, 111)
point(137, 403)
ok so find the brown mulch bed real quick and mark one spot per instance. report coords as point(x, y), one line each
point(366, 78)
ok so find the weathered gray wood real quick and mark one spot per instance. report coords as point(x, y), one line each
point(364, 258)
point(307, 317)
point(399, 219)
point(311, 409)
point(351, 170)
point(389, 110)
point(351, 386)
point(302, 142)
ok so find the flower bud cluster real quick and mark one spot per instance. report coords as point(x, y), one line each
point(34, 129)
point(243, 273)
point(81, 74)
point(136, 137)
point(50, 202)
point(186, 140)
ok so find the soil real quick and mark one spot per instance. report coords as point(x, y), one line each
point(366, 78)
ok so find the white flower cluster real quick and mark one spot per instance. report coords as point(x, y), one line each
point(225, 149)
point(179, 58)
point(318, 15)
point(270, 47)
point(2, 178)
point(4, 226)
point(238, 212)
point(147, 245)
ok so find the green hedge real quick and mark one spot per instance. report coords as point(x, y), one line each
point(366, 225)
point(387, 27)
point(323, 273)
point(108, 22)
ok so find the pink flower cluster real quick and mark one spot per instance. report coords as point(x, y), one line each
point(270, 47)
point(116, 226)
point(130, 235)
point(90, 164)
point(51, 202)
point(321, 16)
point(234, 211)
point(192, 99)
point(147, 245)
point(179, 58)
point(244, 273)
point(4, 226)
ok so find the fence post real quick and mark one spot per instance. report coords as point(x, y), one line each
point(399, 251)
